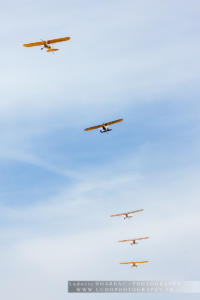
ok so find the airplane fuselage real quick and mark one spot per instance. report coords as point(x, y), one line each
point(127, 216)
point(105, 129)
point(48, 47)
point(133, 242)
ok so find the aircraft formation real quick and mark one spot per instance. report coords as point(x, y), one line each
point(47, 44)
point(133, 241)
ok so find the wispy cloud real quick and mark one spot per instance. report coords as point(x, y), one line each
point(137, 60)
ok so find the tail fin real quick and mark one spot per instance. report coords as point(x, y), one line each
point(52, 50)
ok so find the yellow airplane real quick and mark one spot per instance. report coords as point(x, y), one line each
point(134, 263)
point(47, 44)
point(133, 241)
point(126, 215)
point(104, 126)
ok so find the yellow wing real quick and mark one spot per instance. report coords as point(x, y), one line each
point(34, 44)
point(113, 122)
point(126, 263)
point(67, 38)
point(141, 262)
point(94, 127)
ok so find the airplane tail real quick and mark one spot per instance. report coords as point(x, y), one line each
point(52, 50)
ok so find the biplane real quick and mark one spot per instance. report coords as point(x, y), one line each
point(104, 127)
point(47, 44)
point(126, 215)
point(134, 263)
point(133, 241)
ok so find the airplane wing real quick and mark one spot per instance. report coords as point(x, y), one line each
point(126, 263)
point(144, 238)
point(137, 239)
point(67, 38)
point(127, 213)
point(118, 215)
point(134, 211)
point(94, 127)
point(113, 122)
point(141, 262)
point(126, 240)
point(34, 44)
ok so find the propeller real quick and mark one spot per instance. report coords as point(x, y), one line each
point(43, 46)
point(105, 125)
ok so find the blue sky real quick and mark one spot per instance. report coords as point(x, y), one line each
point(138, 60)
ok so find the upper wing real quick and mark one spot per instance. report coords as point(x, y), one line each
point(34, 44)
point(141, 262)
point(58, 40)
point(126, 263)
point(113, 122)
point(134, 211)
point(94, 127)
